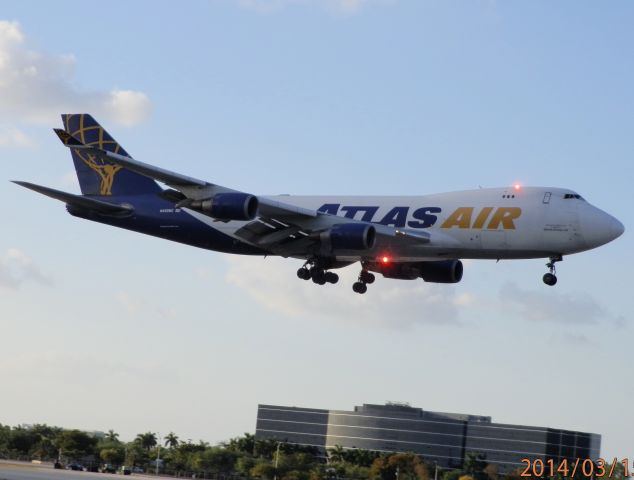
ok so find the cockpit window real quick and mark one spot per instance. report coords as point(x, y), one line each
point(573, 195)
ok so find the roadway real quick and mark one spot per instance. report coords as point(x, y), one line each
point(27, 471)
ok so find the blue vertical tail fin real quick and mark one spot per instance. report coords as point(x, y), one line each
point(95, 176)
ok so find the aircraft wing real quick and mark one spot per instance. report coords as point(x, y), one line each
point(279, 227)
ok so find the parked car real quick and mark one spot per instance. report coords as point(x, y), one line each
point(137, 470)
point(75, 466)
point(108, 468)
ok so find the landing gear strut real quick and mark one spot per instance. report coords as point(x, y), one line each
point(365, 277)
point(550, 278)
point(317, 273)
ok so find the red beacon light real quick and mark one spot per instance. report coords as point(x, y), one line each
point(516, 187)
point(385, 259)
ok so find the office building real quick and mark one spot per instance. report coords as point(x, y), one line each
point(441, 438)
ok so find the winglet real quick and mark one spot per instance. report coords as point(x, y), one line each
point(67, 139)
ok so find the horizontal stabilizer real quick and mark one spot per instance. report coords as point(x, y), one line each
point(99, 206)
point(66, 138)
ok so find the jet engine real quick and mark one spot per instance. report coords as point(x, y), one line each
point(350, 236)
point(445, 271)
point(229, 206)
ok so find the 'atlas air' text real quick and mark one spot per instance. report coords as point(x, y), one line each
point(491, 218)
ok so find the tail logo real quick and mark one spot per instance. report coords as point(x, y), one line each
point(106, 171)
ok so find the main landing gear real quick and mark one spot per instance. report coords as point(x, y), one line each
point(317, 273)
point(365, 277)
point(315, 269)
point(550, 278)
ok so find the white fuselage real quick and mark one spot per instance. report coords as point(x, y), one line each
point(491, 223)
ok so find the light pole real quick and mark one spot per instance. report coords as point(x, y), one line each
point(158, 453)
point(436, 471)
point(277, 458)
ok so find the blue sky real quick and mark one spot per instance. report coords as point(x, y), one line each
point(102, 328)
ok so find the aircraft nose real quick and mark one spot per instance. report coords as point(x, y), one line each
point(617, 228)
point(600, 228)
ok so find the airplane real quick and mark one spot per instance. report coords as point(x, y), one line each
point(399, 237)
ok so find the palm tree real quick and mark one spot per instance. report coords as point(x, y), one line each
point(147, 440)
point(171, 440)
point(112, 436)
point(336, 453)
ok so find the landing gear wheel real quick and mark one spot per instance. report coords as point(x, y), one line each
point(359, 287)
point(303, 273)
point(331, 277)
point(550, 279)
point(319, 276)
point(366, 277)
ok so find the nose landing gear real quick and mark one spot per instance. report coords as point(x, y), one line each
point(550, 278)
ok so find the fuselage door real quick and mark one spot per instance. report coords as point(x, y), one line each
point(561, 225)
point(547, 196)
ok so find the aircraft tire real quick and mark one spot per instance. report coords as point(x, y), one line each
point(367, 277)
point(359, 287)
point(549, 279)
point(303, 273)
point(319, 277)
point(331, 277)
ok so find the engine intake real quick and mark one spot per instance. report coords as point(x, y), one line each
point(352, 236)
point(231, 206)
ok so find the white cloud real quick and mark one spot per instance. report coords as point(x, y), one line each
point(135, 305)
point(130, 304)
point(388, 303)
point(17, 268)
point(128, 107)
point(573, 339)
point(553, 306)
point(68, 180)
point(36, 86)
point(14, 137)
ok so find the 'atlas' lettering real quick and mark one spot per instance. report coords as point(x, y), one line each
point(330, 208)
point(426, 217)
point(368, 212)
point(397, 217)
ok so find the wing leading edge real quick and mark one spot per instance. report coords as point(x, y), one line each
point(279, 227)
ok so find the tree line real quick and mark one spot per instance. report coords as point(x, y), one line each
point(242, 457)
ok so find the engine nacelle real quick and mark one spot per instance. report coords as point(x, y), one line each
point(351, 236)
point(231, 206)
point(446, 271)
